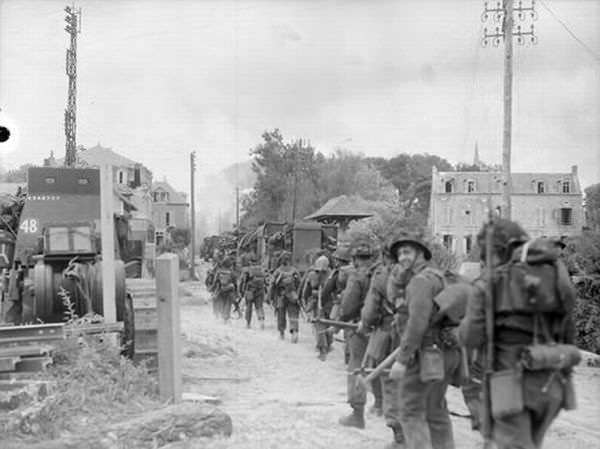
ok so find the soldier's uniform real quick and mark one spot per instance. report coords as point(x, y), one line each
point(385, 299)
point(543, 392)
point(283, 291)
point(225, 289)
point(423, 408)
point(252, 289)
point(318, 302)
point(352, 302)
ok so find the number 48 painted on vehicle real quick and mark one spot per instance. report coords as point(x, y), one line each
point(29, 226)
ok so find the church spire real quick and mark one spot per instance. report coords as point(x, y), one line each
point(476, 160)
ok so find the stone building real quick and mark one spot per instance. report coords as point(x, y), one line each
point(545, 204)
point(169, 209)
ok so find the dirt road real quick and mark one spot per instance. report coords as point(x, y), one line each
point(281, 396)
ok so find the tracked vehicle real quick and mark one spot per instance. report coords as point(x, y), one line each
point(50, 253)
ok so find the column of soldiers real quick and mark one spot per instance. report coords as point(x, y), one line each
point(506, 339)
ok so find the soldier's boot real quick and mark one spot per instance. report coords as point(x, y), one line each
point(281, 335)
point(294, 336)
point(354, 419)
point(262, 324)
point(248, 325)
point(399, 441)
point(322, 354)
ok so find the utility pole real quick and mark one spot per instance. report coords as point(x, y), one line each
point(193, 213)
point(503, 14)
point(237, 214)
point(73, 27)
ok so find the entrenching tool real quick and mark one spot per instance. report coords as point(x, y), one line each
point(362, 381)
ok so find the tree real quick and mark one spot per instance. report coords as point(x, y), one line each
point(411, 175)
point(286, 179)
point(592, 206)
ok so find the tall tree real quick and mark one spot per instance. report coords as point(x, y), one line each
point(592, 206)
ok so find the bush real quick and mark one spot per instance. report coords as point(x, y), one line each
point(582, 256)
point(94, 385)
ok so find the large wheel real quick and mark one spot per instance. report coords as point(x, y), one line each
point(96, 288)
point(40, 304)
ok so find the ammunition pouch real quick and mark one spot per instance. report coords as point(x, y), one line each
point(506, 392)
point(431, 364)
point(550, 357)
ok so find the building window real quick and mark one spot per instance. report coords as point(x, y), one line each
point(566, 216)
point(566, 187)
point(167, 218)
point(540, 187)
point(121, 177)
point(449, 187)
point(470, 186)
point(468, 243)
point(447, 241)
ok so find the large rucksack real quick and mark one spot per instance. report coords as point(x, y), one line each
point(256, 278)
point(225, 280)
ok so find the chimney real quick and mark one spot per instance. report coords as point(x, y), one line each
point(574, 170)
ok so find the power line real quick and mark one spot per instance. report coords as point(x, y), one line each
point(564, 25)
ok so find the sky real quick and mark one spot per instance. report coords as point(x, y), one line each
point(158, 79)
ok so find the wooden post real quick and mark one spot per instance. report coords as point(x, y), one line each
point(107, 232)
point(169, 335)
point(506, 135)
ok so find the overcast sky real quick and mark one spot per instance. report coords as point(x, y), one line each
point(157, 79)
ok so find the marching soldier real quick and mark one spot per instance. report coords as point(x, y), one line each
point(252, 289)
point(225, 288)
point(382, 302)
point(423, 366)
point(318, 303)
point(284, 296)
point(352, 302)
point(530, 327)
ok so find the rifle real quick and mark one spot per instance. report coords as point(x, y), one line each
point(334, 323)
point(489, 331)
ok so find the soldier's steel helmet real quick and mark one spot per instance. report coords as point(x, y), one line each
point(285, 256)
point(322, 263)
point(506, 235)
point(361, 248)
point(410, 239)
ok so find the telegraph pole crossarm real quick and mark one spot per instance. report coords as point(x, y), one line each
point(503, 13)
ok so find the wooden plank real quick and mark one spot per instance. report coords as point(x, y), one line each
point(169, 327)
point(31, 333)
point(25, 350)
point(144, 303)
point(107, 237)
point(146, 339)
point(146, 319)
point(98, 328)
point(33, 364)
point(8, 364)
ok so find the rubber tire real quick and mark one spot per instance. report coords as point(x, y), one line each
point(41, 305)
